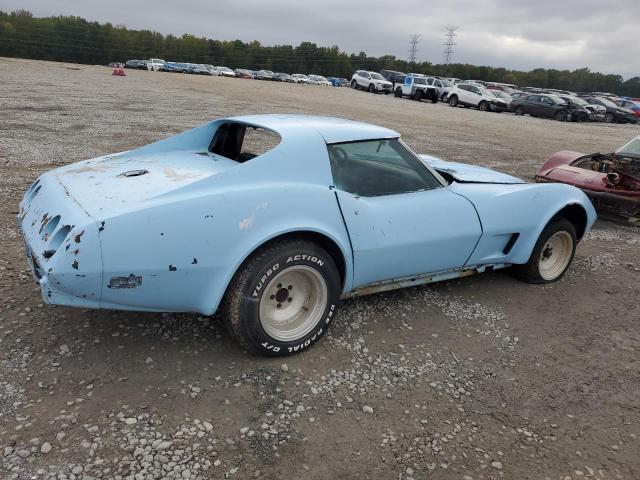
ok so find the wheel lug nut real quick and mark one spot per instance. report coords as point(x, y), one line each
point(289, 299)
point(290, 287)
point(272, 297)
point(278, 305)
point(279, 285)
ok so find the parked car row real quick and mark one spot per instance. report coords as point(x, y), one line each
point(159, 65)
point(501, 97)
point(556, 104)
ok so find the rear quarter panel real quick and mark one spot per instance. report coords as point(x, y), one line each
point(187, 244)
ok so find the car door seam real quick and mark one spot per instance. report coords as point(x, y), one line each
point(344, 222)
point(481, 227)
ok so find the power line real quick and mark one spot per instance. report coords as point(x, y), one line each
point(449, 42)
point(413, 46)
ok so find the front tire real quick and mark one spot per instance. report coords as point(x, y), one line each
point(609, 117)
point(354, 84)
point(417, 96)
point(283, 298)
point(552, 254)
point(453, 101)
point(483, 106)
point(372, 88)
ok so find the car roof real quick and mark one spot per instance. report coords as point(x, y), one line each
point(332, 129)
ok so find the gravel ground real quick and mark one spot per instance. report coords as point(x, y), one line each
point(482, 378)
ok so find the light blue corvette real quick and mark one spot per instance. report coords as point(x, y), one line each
point(272, 219)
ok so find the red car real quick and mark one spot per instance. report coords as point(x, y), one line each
point(606, 178)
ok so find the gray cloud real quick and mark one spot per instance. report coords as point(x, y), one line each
point(519, 34)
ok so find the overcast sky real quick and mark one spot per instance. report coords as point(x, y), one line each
point(602, 35)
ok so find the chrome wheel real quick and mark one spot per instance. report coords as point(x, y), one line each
point(555, 256)
point(293, 303)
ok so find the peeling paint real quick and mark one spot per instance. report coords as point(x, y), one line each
point(99, 168)
point(75, 264)
point(195, 260)
point(78, 236)
point(132, 281)
point(172, 268)
point(179, 177)
point(247, 223)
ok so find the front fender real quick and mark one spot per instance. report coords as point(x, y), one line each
point(523, 209)
point(564, 157)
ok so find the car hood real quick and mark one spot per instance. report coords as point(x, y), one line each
point(465, 173)
point(105, 185)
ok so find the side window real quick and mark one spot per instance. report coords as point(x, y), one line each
point(438, 83)
point(463, 87)
point(378, 167)
point(241, 142)
point(532, 98)
point(366, 75)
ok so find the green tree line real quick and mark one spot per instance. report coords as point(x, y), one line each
point(74, 39)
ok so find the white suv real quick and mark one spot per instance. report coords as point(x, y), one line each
point(154, 64)
point(318, 80)
point(475, 95)
point(299, 78)
point(225, 72)
point(370, 81)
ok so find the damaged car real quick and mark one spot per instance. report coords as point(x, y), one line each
point(271, 220)
point(609, 179)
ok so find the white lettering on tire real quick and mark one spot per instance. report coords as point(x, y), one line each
point(297, 258)
point(265, 277)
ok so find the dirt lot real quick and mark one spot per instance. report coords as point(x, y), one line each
point(482, 378)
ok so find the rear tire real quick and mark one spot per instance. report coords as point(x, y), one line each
point(398, 92)
point(519, 111)
point(552, 255)
point(283, 298)
point(354, 84)
point(417, 96)
point(609, 117)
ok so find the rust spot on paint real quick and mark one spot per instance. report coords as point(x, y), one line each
point(78, 236)
point(195, 260)
point(101, 228)
point(43, 222)
point(75, 264)
point(172, 268)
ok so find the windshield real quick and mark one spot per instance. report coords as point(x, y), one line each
point(420, 81)
point(605, 102)
point(500, 94)
point(576, 100)
point(376, 76)
point(322, 79)
point(630, 149)
point(446, 83)
point(557, 100)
